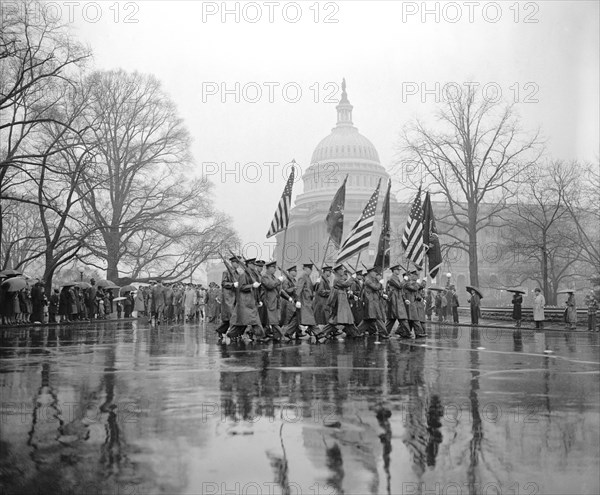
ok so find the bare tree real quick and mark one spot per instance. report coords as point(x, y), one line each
point(540, 238)
point(585, 214)
point(476, 159)
point(64, 155)
point(37, 55)
point(22, 241)
point(139, 191)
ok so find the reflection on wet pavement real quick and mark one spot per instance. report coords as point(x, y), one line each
point(124, 408)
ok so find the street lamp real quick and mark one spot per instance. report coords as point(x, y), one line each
point(81, 270)
point(448, 276)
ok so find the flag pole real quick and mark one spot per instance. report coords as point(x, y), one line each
point(357, 261)
point(325, 255)
point(283, 265)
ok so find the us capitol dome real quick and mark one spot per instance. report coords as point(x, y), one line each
point(343, 152)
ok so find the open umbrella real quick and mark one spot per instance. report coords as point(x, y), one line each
point(120, 298)
point(516, 291)
point(470, 287)
point(128, 288)
point(105, 283)
point(438, 289)
point(565, 291)
point(82, 285)
point(10, 273)
point(110, 287)
point(14, 284)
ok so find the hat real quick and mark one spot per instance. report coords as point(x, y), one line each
point(360, 272)
point(260, 263)
point(250, 260)
point(327, 267)
point(292, 268)
point(395, 267)
point(234, 258)
point(537, 289)
point(307, 265)
point(271, 263)
point(372, 269)
point(337, 267)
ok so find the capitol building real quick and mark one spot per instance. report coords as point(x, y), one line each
point(345, 151)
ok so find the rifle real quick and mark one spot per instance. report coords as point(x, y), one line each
point(318, 269)
point(228, 266)
point(246, 269)
point(282, 293)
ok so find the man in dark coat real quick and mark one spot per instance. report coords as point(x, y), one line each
point(37, 303)
point(304, 314)
point(169, 310)
point(271, 286)
point(245, 311)
point(453, 302)
point(475, 302)
point(340, 313)
point(517, 301)
point(228, 291)
point(396, 310)
point(373, 316)
point(411, 293)
point(288, 294)
point(90, 299)
point(322, 292)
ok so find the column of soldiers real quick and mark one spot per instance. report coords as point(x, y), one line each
point(262, 306)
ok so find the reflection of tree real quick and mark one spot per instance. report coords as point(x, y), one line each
point(45, 401)
point(279, 464)
point(336, 466)
point(476, 427)
point(383, 418)
point(434, 414)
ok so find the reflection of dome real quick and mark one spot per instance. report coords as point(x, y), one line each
point(344, 152)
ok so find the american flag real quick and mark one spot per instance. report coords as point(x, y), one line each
point(360, 236)
point(412, 239)
point(282, 214)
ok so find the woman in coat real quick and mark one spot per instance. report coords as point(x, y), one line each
point(571, 312)
point(37, 302)
point(139, 303)
point(517, 302)
point(64, 308)
point(538, 309)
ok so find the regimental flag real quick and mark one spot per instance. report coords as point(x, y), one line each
point(412, 239)
point(383, 249)
point(360, 236)
point(431, 239)
point(335, 217)
point(282, 215)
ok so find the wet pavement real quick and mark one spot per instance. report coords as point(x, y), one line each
point(122, 408)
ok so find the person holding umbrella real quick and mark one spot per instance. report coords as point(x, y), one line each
point(517, 302)
point(475, 302)
point(571, 311)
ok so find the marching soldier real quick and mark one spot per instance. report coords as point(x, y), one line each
point(304, 314)
point(411, 289)
point(257, 272)
point(373, 316)
point(288, 294)
point(355, 296)
point(227, 296)
point(245, 312)
point(322, 292)
point(396, 306)
point(340, 313)
point(271, 286)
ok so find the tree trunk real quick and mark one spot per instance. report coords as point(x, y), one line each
point(473, 257)
point(544, 267)
point(48, 274)
point(111, 240)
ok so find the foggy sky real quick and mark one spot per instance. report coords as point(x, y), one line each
point(553, 61)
